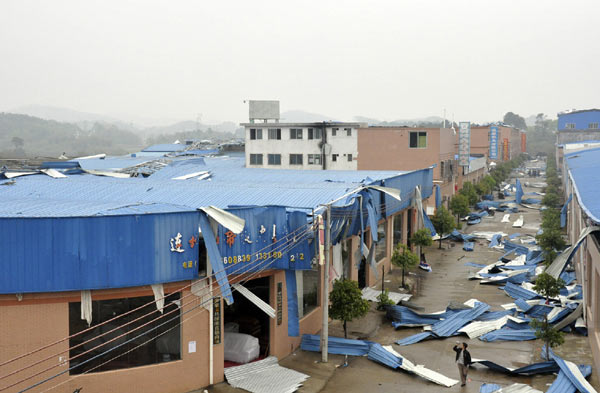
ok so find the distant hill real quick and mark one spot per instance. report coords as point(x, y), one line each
point(23, 135)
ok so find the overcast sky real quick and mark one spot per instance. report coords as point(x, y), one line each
point(383, 59)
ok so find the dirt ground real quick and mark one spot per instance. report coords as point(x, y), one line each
point(433, 291)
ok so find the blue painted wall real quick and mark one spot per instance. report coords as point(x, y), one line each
point(581, 119)
point(63, 254)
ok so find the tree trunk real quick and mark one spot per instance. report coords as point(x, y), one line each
point(547, 339)
point(403, 286)
point(440, 247)
point(345, 330)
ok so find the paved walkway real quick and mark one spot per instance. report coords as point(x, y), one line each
point(448, 282)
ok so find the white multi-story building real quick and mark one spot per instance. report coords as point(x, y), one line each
point(321, 145)
point(284, 145)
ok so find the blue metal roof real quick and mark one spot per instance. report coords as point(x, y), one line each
point(111, 163)
point(584, 167)
point(229, 185)
point(165, 148)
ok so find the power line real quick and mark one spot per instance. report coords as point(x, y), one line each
point(126, 342)
point(293, 243)
point(144, 305)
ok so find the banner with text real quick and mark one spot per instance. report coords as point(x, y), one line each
point(493, 142)
point(464, 143)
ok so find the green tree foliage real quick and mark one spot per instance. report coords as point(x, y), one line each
point(489, 182)
point(49, 138)
point(468, 190)
point(550, 219)
point(551, 240)
point(443, 222)
point(422, 237)
point(346, 302)
point(515, 120)
point(548, 287)
point(548, 333)
point(551, 200)
point(540, 137)
point(383, 300)
point(404, 258)
point(459, 205)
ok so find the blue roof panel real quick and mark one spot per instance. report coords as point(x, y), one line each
point(584, 167)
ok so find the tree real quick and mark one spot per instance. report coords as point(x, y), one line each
point(489, 182)
point(404, 258)
point(346, 302)
point(515, 120)
point(549, 287)
point(551, 240)
point(443, 222)
point(550, 219)
point(18, 142)
point(421, 238)
point(550, 200)
point(468, 190)
point(459, 205)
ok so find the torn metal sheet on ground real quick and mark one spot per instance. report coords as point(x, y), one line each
point(336, 345)
point(265, 376)
point(371, 294)
point(422, 371)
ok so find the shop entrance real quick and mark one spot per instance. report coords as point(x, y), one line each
point(246, 332)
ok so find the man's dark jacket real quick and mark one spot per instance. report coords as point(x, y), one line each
point(458, 350)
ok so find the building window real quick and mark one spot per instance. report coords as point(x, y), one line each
point(314, 133)
point(295, 159)
point(255, 133)
point(397, 236)
point(350, 157)
point(334, 157)
point(295, 133)
point(334, 131)
point(308, 290)
point(593, 126)
point(418, 140)
point(570, 126)
point(274, 159)
point(274, 133)
point(315, 159)
point(348, 131)
point(166, 346)
point(256, 159)
point(381, 245)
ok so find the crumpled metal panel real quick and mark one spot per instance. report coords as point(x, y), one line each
point(450, 325)
point(336, 345)
point(265, 376)
point(509, 335)
point(518, 292)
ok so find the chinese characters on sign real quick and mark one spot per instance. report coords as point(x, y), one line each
point(176, 243)
point(217, 320)
point(505, 155)
point(494, 142)
point(279, 303)
point(230, 238)
point(464, 143)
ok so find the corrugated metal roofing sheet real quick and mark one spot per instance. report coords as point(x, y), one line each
point(230, 185)
point(265, 376)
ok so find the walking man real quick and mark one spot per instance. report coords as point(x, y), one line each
point(463, 360)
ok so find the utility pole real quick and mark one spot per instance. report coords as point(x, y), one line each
point(325, 295)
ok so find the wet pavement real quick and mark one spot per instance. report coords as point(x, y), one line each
point(448, 282)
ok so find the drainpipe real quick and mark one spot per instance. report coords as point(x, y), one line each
point(325, 297)
point(323, 143)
